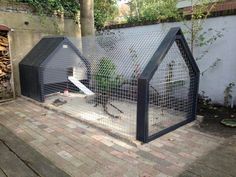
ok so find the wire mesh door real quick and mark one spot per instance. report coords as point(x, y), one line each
point(170, 92)
point(168, 88)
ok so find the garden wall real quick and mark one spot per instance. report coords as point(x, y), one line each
point(28, 29)
point(215, 80)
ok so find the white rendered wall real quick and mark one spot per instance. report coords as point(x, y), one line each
point(215, 80)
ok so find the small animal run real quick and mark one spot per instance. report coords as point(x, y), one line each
point(138, 85)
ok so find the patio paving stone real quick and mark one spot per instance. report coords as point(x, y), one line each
point(81, 150)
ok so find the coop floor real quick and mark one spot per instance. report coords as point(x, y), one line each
point(80, 107)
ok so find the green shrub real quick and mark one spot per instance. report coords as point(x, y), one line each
point(153, 10)
point(106, 76)
point(104, 11)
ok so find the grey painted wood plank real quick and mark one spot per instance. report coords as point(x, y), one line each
point(13, 166)
point(36, 161)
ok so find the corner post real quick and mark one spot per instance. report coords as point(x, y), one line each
point(142, 110)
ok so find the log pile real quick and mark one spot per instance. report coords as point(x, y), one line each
point(5, 68)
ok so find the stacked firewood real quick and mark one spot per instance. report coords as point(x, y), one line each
point(5, 68)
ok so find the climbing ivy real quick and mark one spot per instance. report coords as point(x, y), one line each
point(54, 7)
point(103, 10)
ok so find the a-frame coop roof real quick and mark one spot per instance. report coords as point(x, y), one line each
point(44, 48)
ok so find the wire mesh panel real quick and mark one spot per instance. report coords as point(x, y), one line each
point(109, 98)
point(131, 83)
point(168, 87)
point(170, 92)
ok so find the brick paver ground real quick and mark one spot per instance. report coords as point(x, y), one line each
point(18, 159)
point(83, 151)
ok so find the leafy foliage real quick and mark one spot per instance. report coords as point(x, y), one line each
point(204, 101)
point(152, 10)
point(201, 10)
point(51, 7)
point(160, 10)
point(228, 94)
point(106, 77)
point(198, 37)
point(104, 11)
point(107, 81)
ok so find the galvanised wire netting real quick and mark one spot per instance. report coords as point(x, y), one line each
point(115, 62)
point(171, 91)
point(101, 86)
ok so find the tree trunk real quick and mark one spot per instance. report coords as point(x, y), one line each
point(87, 17)
point(87, 26)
